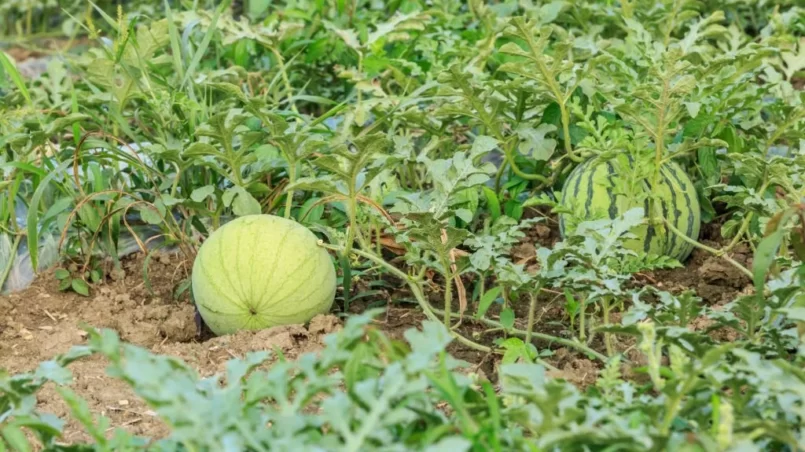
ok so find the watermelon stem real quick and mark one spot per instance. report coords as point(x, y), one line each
point(740, 233)
point(607, 336)
point(582, 326)
point(291, 180)
point(718, 253)
point(531, 312)
point(415, 284)
point(575, 344)
point(416, 289)
point(12, 257)
point(448, 294)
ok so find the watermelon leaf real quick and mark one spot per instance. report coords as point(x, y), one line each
point(507, 318)
point(486, 301)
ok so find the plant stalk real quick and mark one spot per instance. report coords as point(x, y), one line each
point(582, 326)
point(714, 251)
point(416, 289)
point(531, 312)
point(291, 180)
point(448, 294)
point(431, 312)
point(607, 336)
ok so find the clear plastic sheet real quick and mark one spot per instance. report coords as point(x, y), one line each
point(15, 262)
point(16, 269)
point(21, 274)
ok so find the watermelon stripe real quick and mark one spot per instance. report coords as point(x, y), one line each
point(210, 280)
point(650, 228)
point(684, 190)
point(232, 286)
point(311, 294)
point(280, 301)
point(269, 277)
point(240, 272)
point(677, 213)
point(579, 172)
point(302, 281)
point(252, 285)
point(590, 183)
point(613, 205)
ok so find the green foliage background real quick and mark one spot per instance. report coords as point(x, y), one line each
point(441, 125)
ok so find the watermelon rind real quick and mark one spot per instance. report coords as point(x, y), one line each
point(598, 188)
point(260, 271)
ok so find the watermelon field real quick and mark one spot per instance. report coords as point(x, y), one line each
point(426, 225)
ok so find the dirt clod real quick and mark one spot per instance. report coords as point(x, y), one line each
point(324, 324)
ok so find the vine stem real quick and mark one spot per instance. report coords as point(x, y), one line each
point(291, 180)
point(523, 174)
point(715, 252)
point(448, 297)
point(416, 289)
point(582, 324)
point(285, 80)
point(740, 233)
point(353, 215)
point(607, 336)
point(432, 312)
point(532, 307)
point(542, 336)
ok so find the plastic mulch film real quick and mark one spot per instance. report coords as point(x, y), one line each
point(15, 264)
point(21, 273)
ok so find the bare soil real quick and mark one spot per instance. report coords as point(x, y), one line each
point(41, 322)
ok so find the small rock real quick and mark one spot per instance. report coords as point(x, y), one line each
point(117, 274)
point(179, 326)
point(524, 252)
point(282, 337)
point(324, 324)
point(542, 231)
point(158, 312)
point(716, 270)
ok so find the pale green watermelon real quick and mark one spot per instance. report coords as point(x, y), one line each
point(260, 271)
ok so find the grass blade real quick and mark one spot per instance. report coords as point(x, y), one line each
point(106, 17)
point(33, 214)
point(15, 76)
point(176, 48)
point(191, 69)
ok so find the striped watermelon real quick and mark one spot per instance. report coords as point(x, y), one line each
point(597, 189)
